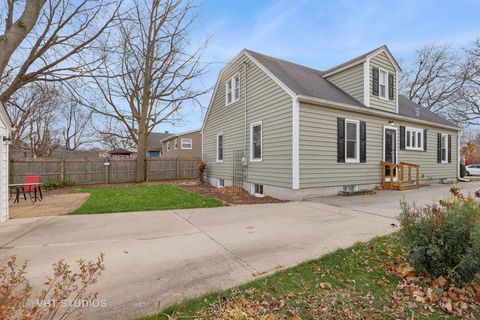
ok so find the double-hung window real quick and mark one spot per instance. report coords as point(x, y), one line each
point(186, 143)
point(256, 141)
point(383, 84)
point(352, 143)
point(232, 89)
point(175, 144)
point(414, 137)
point(220, 147)
point(168, 146)
point(444, 148)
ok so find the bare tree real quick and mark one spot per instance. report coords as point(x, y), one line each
point(15, 32)
point(61, 45)
point(77, 129)
point(437, 79)
point(152, 72)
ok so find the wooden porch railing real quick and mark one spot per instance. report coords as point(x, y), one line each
point(398, 181)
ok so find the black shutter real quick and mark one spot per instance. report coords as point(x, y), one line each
point(340, 140)
point(425, 139)
point(439, 148)
point(375, 82)
point(402, 137)
point(390, 87)
point(363, 141)
point(449, 148)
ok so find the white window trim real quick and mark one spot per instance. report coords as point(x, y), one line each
point(444, 135)
point(416, 131)
point(168, 146)
point(357, 145)
point(223, 147)
point(261, 141)
point(184, 139)
point(175, 144)
point(234, 98)
point(259, 195)
point(380, 70)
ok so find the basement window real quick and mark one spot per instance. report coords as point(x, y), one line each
point(221, 183)
point(258, 189)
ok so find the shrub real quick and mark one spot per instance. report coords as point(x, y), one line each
point(64, 293)
point(463, 169)
point(55, 184)
point(444, 239)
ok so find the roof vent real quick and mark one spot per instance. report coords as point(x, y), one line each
point(417, 111)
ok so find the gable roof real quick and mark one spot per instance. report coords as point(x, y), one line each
point(180, 134)
point(4, 115)
point(154, 140)
point(308, 82)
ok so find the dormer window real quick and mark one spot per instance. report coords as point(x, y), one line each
point(232, 89)
point(383, 84)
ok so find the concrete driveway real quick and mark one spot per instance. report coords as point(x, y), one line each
point(154, 259)
point(387, 203)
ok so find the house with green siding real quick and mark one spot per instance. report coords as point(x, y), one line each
point(281, 129)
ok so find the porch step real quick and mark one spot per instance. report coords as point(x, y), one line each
point(408, 187)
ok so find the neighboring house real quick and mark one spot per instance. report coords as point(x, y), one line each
point(121, 154)
point(154, 144)
point(5, 127)
point(187, 145)
point(471, 153)
point(289, 131)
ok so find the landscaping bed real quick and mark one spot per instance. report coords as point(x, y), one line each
point(228, 195)
point(141, 198)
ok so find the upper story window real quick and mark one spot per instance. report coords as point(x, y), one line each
point(168, 146)
point(352, 137)
point(383, 84)
point(444, 148)
point(186, 143)
point(232, 89)
point(256, 141)
point(414, 139)
point(175, 144)
point(220, 147)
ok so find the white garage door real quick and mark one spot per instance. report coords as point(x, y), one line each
point(3, 174)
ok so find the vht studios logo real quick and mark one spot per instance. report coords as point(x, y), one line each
point(79, 303)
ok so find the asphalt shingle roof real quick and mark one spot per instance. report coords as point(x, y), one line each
point(309, 82)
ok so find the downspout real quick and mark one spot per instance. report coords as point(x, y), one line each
point(459, 178)
point(245, 107)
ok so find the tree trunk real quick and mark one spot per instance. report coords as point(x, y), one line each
point(16, 33)
point(141, 151)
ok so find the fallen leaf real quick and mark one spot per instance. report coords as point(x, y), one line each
point(389, 251)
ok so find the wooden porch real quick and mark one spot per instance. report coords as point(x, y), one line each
point(399, 176)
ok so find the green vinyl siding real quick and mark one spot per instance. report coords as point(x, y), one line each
point(350, 81)
point(318, 150)
point(381, 61)
point(266, 102)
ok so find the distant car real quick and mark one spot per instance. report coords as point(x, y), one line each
point(472, 170)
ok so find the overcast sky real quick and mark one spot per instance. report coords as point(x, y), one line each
point(321, 34)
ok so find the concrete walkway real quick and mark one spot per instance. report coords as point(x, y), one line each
point(387, 203)
point(154, 259)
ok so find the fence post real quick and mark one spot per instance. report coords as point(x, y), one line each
point(145, 173)
point(177, 165)
point(107, 171)
point(62, 170)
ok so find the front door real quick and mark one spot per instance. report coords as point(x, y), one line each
point(390, 151)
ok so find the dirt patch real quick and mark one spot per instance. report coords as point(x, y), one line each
point(228, 195)
point(53, 204)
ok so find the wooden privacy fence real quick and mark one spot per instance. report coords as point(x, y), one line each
point(90, 171)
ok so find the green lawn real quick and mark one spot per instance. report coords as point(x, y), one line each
point(141, 198)
point(352, 283)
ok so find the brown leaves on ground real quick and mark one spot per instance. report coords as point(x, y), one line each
point(438, 292)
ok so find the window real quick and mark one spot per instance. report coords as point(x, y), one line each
point(175, 144)
point(258, 189)
point(168, 146)
point(153, 154)
point(186, 143)
point(221, 183)
point(351, 140)
point(220, 147)
point(232, 89)
point(444, 148)
point(414, 139)
point(383, 84)
point(256, 141)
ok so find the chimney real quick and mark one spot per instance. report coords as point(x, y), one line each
point(166, 131)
